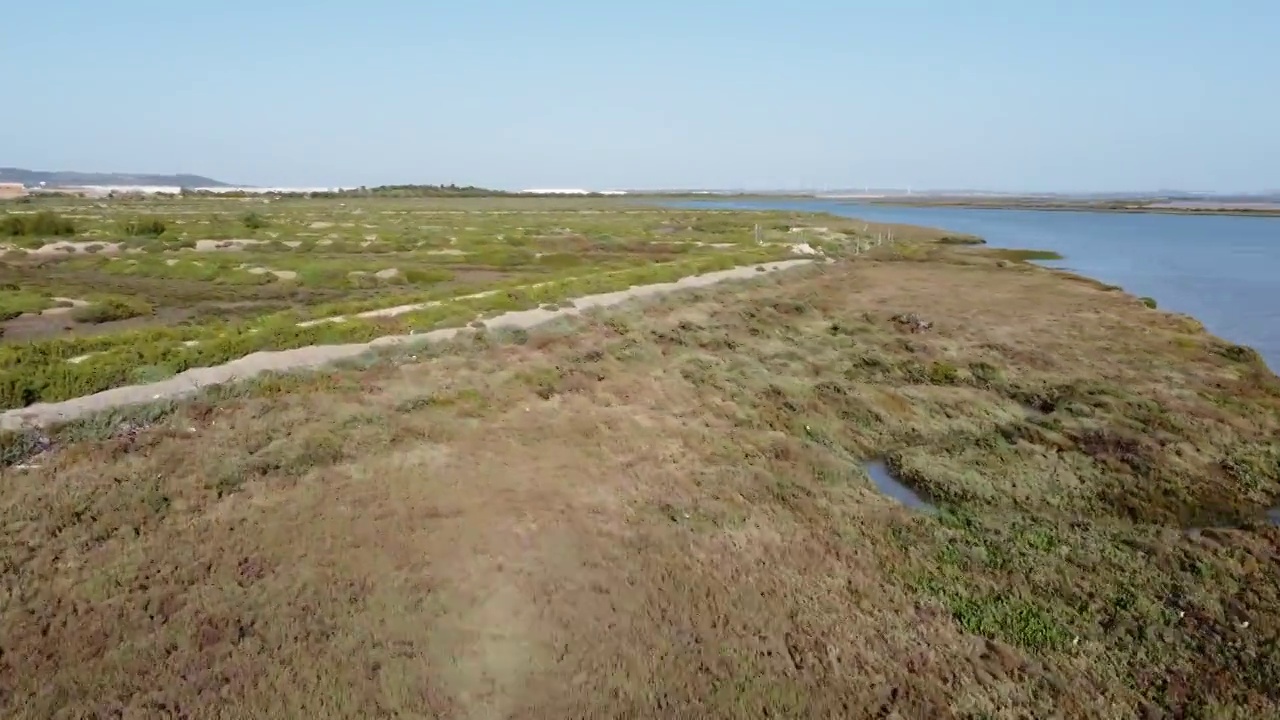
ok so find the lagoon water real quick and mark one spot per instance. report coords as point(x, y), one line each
point(1223, 270)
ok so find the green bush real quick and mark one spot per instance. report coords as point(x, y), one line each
point(960, 240)
point(943, 373)
point(43, 224)
point(1239, 353)
point(13, 226)
point(254, 221)
point(110, 309)
point(144, 227)
point(14, 302)
point(1149, 302)
point(427, 276)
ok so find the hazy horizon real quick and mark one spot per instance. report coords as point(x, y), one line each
point(1088, 97)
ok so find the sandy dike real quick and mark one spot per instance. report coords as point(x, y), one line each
point(191, 381)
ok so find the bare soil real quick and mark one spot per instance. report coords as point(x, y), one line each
point(48, 325)
point(662, 512)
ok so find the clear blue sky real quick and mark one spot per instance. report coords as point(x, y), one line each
point(1002, 95)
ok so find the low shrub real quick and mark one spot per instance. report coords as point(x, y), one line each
point(15, 302)
point(1149, 302)
point(1019, 255)
point(1239, 353)
point(961, 240)
point(427, 276)
point(143, 227)
point(943, 373)
point(110, 309)
point(45, 223)
point(254, 221)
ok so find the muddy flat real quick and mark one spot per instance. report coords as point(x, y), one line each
point(662, 511)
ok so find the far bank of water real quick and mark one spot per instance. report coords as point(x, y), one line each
point(1223, 270)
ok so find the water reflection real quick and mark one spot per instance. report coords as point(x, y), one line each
point(886, 483)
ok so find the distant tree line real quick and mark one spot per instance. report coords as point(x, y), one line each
point(427, 191)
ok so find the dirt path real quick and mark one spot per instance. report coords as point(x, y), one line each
point(191, 381)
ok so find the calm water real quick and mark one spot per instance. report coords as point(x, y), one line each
point(1223, 270)
point(886, 483)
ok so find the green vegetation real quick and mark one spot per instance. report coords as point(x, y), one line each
point(200, 290)
point(1016, 255)
point(254, 221)
point(15, 302)
point(139, 227)
point(39, 372)
point(1148, 301)
point(961, 240)
point(45, 223)
point(676, 488)
point(109, 309)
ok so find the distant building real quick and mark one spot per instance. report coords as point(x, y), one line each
point(9, 191)
point(572, 191)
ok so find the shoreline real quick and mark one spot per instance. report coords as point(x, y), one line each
point(1084, 208)
point(974, 203)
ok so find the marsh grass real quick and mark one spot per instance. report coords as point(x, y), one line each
point(1019, 255)
point(41, 224)
point(108, 309)
point(675, 489)
point(15, 302)
point(143, 227)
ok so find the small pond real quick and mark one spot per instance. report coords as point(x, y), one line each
point(886, 483)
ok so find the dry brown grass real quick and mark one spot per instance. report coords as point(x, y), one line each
point(662, 513)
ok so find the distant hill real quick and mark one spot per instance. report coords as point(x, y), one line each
point(63, 178)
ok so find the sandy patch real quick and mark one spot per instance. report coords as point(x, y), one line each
point(388, 274)
point(446, 251)
point(69, 304)
point(282, 274)
point(320, 225)
point(72, 247)
point(224, 245)
point(293, 243)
